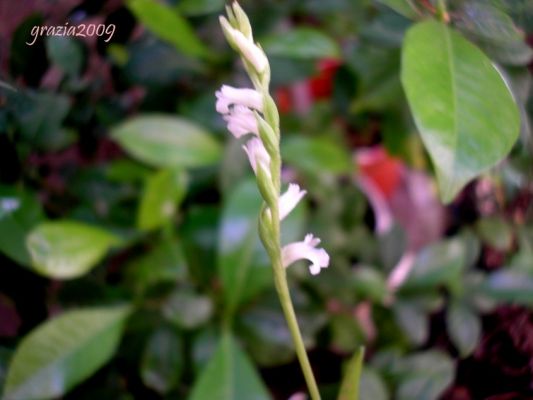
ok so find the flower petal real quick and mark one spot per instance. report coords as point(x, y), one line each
point(289, 200)
point(228, 95)
point(306, 250)
point(241, 120)
point(257, 154)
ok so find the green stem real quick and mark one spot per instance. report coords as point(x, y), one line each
point(282, 287)
point(288, 310)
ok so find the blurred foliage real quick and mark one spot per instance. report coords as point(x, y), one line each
point(130, 261)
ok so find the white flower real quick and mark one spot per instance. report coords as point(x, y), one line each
point(241, 120)
point(306, 250)
point(228, 96)
point(289, 199)
point(257, 154)
point(246, 46)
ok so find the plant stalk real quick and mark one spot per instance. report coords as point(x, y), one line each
point(282, 287)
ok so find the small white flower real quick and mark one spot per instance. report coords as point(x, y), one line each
point(249, 50)
point(241, 120)
point(228, 96)
point(289, 199)
point(257, 154)
point(306, 250)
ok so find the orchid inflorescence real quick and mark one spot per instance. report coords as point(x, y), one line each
point(252, 111)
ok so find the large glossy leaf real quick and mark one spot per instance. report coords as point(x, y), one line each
point(163, 191)
point(229, 376)
point(162, 361)
point(463, 109)
point(166, 141)
point(19, 213)
point(67, 249)
point(301, 43)
point(64, 351)
point(169, 25)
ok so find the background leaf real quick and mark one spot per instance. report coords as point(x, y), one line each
point(301, 43)
point(351, 382)
point(169, 25)
point(19, 213)
point(229, 376)
point(63, 352)
point(163, 191)
point(162, 361)
point(67, 249)
point(464, 328)
point(462, 107)
point(166, 141)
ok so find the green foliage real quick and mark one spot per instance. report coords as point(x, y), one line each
point(169, 25)
point(63, 352)
point(301, 43)
point(67, 249)
point(164, 141)
point(163, 191)
point(457, 96)
point(229, 376)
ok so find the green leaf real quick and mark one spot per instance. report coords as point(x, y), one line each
point(495, 232)
point(426, 376)
point(164, 263)
point(400, 6)
point(168, 25)
point(166, 141)
point(370, 283)
point(229, 376)
point(162, 361)
point(513, 286)
point(238, 239)
point(67, 249)
point(464, 328)
point(163, 191)
point(351, 381)
point(187, 309)
point(317, 155)
point(39, 116)
point(372, 386)
point(437, 264)
point(63, 352)
point(462, 107)
point(494, 31)
point(301, 43)
point(412, 318)
point(200, 7)
point(66, 53)
point(19, 213)
point(267, 336)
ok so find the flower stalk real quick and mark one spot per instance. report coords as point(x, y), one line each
point(254, 112)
